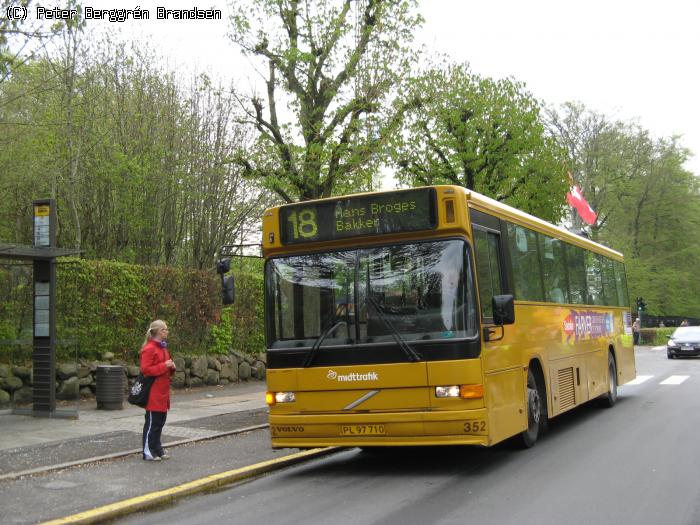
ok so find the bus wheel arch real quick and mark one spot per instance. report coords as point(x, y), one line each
point(536, 405)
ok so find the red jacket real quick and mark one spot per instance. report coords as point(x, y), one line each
point(153, 358)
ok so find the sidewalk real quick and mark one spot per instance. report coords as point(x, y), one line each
point(236, 415)
point(28, 443)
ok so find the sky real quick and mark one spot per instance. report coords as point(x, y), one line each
point(629, 60)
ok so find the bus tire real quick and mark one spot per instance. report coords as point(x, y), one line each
point(609, 399)
point(528, 437)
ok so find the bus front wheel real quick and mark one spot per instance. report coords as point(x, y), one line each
point(534, 412)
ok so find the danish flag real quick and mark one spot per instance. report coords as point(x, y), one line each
point(575, 198)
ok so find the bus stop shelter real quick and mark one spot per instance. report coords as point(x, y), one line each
point(43, 256)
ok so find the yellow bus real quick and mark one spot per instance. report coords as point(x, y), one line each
point(435, 316)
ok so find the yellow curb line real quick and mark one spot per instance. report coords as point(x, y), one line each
point(121, 508)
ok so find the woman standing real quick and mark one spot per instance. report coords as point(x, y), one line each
point(155, 361)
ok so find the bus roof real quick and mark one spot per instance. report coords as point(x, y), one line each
point(494, 207)
point(503, 210)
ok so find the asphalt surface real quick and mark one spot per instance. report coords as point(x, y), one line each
point(635, 463)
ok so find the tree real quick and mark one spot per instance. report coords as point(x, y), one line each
point(648, 205)
point(483, 134)
point(598, 156)
point(334, 63)
point(23, 37)
point(220, 205)
point(136, 158)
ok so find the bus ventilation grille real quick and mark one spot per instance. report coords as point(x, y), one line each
point(567, 393)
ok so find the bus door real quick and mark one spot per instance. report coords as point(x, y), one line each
point(504, 376)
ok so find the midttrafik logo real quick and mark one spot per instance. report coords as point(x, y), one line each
point(352, 376)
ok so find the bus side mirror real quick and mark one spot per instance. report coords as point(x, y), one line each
point(503, 309)
point(228, 289)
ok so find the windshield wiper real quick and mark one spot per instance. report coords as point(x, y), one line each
point(403, 344)
point(317, 344)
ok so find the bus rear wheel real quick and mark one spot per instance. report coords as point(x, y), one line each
point(534, 412)
point(608, 400)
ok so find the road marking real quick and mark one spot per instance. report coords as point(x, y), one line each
point(639, 380)
point(674, 380)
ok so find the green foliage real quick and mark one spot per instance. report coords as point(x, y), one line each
point(483, 134)
point(248, 314)
point(7, 330)
point(134, 155)
point(222, 333)
point(107, 306)
point(242, 325)
point(20, 37)
point(334, 64)
point(648, 205)
point(15, 305)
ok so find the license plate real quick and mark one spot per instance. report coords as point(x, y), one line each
point(362, 430)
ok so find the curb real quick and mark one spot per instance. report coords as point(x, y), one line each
point(96, 459)
point(161, 497)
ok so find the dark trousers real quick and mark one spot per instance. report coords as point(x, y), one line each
point(635, 337)
point(152, 429)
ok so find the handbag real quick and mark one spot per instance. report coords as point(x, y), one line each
point(139, 391)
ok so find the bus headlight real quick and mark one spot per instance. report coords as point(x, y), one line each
point(447, 391)
point(272, 398)
point(463, 391)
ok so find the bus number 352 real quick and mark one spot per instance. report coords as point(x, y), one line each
point(475, 426)
point(303, 223)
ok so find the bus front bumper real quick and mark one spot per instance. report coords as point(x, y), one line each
point(468, 427)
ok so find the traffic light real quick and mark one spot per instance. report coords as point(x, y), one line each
point(641, 305)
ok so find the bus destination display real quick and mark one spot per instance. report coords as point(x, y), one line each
point(410, 210)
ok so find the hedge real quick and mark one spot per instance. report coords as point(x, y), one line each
point(655, 336)
point(106, 306)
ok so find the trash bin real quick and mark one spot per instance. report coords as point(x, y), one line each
point(110, 387)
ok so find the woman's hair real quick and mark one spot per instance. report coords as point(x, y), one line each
point(153, 330)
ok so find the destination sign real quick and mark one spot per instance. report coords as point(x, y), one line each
point(382, 213)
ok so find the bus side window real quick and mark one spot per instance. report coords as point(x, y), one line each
point(486, 247)
point(576, 262)
point(556, 289)
point(594, 278)
point(525, 262)
point(609, 284)
point(621, 284)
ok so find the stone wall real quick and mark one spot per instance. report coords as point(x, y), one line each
point(74, 380)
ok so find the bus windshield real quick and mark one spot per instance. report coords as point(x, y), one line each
point(411, 292)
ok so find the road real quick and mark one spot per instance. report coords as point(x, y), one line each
point(635, 463)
